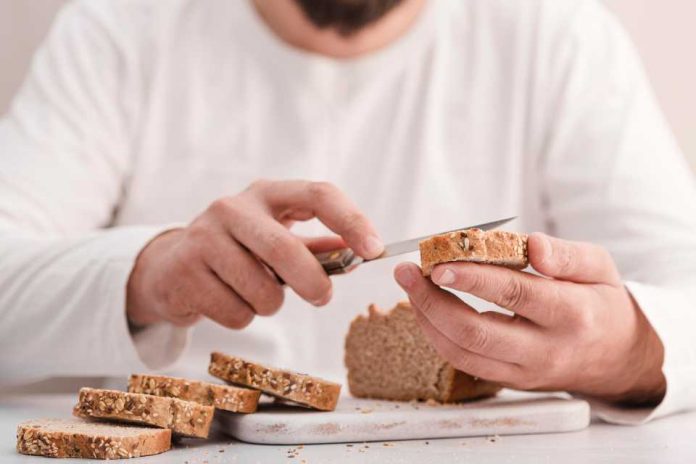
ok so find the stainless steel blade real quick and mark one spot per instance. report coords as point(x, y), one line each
point(407, 246)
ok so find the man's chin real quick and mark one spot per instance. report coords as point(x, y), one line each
point(346, 16)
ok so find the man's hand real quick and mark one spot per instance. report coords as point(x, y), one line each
point(576, 329)
point(224, 265)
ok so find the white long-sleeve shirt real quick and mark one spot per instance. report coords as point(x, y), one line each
point(138, 113)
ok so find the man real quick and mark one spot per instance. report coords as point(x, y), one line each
point(134, 224)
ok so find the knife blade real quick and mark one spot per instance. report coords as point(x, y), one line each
point(345, 260)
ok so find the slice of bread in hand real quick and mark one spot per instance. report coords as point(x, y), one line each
point(182, 417)
point(299, 388)
point(498, 247)
point(389, 357)
point(227, 397)
point(75, 438)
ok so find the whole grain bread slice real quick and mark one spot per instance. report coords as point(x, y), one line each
point(389, 357)
point(498, 247)
point(182, 417)
point(75, 438)
point(226, 397)
point(303, 389)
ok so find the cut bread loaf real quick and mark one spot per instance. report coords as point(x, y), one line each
point(498, 247)
point(226, 397)
point(298, 388)
point(182, 417)
point(389, 357)
point(74, 438)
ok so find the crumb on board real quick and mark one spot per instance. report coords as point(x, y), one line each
point(493, 438)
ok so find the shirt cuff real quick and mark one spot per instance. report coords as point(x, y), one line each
point(673, 317)
point(153, 347)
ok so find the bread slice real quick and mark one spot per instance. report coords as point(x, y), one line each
point(226, 397)
point(388, 357)
point(74, 438)
point(507, 249)
point(299, 388)
point(182, 417)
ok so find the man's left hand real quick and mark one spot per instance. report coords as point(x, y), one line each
point(575, 328)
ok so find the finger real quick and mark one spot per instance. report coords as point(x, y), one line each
point(304, 200)
point(221, 304)
point(244, 273)
point(279, 249)
point(324, 244)
point(466, 361)
point(459, 322)
point(538, 299)
point(574, 261)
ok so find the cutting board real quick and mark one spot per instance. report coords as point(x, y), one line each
point(357, 420)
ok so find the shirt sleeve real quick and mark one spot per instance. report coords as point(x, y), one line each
point(63, 170)
point(613, 174)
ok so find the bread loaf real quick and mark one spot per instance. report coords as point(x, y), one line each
point(75, 438)
point(182, 417)
point(226, 397)
point(389, 357)
point(303, 389)
point(498, 247)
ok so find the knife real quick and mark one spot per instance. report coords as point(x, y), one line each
point(345, 260)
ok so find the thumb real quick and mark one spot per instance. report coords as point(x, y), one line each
point(573, 261)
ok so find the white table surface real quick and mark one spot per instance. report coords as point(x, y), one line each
point(669, 440)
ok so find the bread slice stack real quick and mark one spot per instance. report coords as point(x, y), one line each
point(111, 424)
point(497, 247)
point(389, 357)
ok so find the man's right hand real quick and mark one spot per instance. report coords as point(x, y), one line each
point(224, 265)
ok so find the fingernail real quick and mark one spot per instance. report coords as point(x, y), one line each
point(323, 300)
point(404, 275)
point(373, 246)
point(445, 277)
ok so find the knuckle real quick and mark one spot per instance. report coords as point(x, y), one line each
point(512, 293)
point(321, 191)
point(259, 184)
point(222, 207)
point(565, 256)
point(583, 319)
point(425, 302)
point(279, 247)
point(475, 337)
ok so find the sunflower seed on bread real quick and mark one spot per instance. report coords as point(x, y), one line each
point(75, 438)
point(508, 249)
point(182, 417)
point(298, 388)
point(226, 397)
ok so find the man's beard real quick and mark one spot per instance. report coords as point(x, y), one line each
point(346, 16)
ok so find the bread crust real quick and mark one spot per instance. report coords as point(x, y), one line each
point(75, 438)
point(497, 247)
point(303, 389)
point(225, 397)
point(182, 417)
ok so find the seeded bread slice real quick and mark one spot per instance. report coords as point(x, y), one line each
point(498, 247)
point(182, 417)
point(227, 397)
point(75, 438)
point(299, 388)
point(389, 357)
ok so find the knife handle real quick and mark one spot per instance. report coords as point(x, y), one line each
point(336, 261)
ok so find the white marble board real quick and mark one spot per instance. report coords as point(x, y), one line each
point(356, 420)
